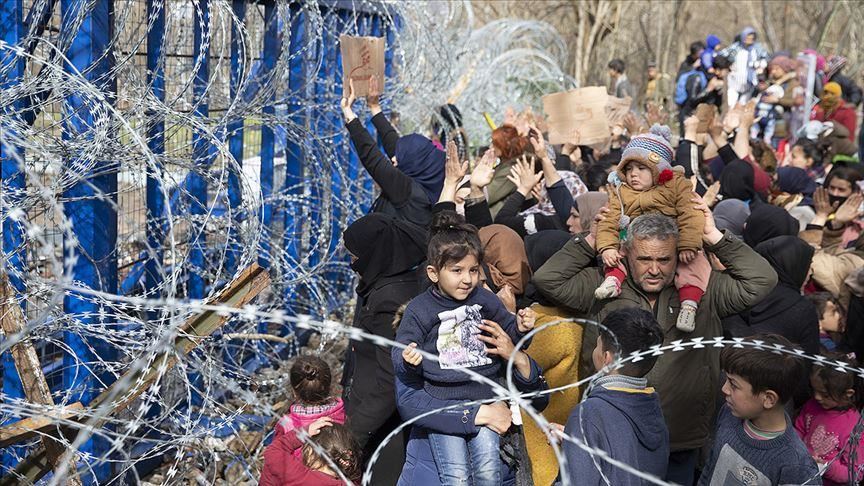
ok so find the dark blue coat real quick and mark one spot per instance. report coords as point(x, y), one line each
point(413, 401)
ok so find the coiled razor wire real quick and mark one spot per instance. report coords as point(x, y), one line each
point(440, 55)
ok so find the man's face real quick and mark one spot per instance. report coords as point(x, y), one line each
point(652, 73)
point(613, 73)
point(652, 262)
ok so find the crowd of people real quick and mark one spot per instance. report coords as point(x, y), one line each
point(494, 270)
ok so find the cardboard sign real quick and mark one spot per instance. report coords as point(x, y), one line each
point(362, 58)
point(577, 116)
point(616, 109)
point(705, 112)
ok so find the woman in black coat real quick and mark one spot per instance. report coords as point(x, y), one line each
point(386, 252)
point(410, 175)
point(784, 311)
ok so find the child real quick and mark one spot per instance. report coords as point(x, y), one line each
point(621, 414)
point(831, 319)
point(755, 442)
point(445, 321)
point(310, 380)
point(826, 421)
point(768, 114)
point(283, 467)
point(645, 183)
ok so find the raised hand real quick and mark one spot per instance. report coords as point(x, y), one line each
point(523, 177)
point(348, 100)
point(484, 171)
point(537, 141)
point(710, 234)
point(849, 210)
point(822, 203)
point(373, 97)
point(454, 170)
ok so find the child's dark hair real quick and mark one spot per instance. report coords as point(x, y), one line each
point(452, 239)
point(340, 446)
point(630, 330)
point(811, 151)
point(837, 382)
point(820, 301)
point(310, 379)
point(763, 369)
point(846, 173)
point(595, 177)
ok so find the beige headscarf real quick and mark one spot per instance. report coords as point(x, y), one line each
point(589, 205)
point(506, 257)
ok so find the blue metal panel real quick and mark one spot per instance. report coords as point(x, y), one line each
point(89, 204)
point(293, 150)
point(202, 152)
point(270, 54)
point(12, 32)
point(156, 144)
point(235, 136)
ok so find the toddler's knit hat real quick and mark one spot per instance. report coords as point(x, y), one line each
point(652, 149)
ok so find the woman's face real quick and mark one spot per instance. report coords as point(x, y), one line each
point(799, 159)
point(776, 72)
point(574, 224)
point(839, 187)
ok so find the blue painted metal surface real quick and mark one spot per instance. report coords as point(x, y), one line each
point(156, 145)
point(294, 152)
point(270, 55)
point(89, 205)
point(202, 150)
point(235, 136)
point(12, 31)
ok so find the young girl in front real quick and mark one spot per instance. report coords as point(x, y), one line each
point(445, 321)
point(826, 421)
point(310, 380)
point(646, 183)
point(293, 460)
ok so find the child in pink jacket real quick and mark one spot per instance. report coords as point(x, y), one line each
point(826, 421)
point(310, 380)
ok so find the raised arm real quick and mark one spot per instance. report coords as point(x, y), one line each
point(748, 278)
point(570, 277)
point(395, 185)
point(388, 135)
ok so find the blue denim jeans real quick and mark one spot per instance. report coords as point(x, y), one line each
point(464, 461)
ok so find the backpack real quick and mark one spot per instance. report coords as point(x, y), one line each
point(681, 85)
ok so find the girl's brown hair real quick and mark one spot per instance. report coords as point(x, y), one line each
point(338, 444)
point(837, 382)
point(310, 379)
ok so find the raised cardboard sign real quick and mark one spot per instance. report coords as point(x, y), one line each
point(577, 116)
point(362, 58)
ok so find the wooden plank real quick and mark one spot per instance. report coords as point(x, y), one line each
point(30, 371)
point(239, 292)
point(38, 424)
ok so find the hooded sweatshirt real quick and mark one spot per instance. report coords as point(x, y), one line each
point(784, 311)
point(622, 417)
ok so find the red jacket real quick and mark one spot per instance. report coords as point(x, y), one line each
point(843, 114)
point(281, 468)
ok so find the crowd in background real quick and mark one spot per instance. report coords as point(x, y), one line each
point(747, 224)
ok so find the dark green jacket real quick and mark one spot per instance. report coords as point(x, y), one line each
point(687, 380)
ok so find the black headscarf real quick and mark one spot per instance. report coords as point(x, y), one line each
point(736, 181)
point(384, 246)
point(766, 222)
point(543, 244)
point(790, 256)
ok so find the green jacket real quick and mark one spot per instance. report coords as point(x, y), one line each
point(687, 380)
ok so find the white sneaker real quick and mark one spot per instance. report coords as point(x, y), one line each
point(608, 289)
point(687, 317)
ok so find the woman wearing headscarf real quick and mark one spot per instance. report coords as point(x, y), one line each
point(832, 107)
point(794, 193)
point(386, 253)
point(731, 215)
point(411, 179)
point(784, 311)
point(839, 219)
point(505, 263)
point(766, 222)
point(831, 268)
point(782, 72)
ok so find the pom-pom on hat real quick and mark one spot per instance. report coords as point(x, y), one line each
point(653, 149)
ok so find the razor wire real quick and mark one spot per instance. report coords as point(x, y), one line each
point(440, 55)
